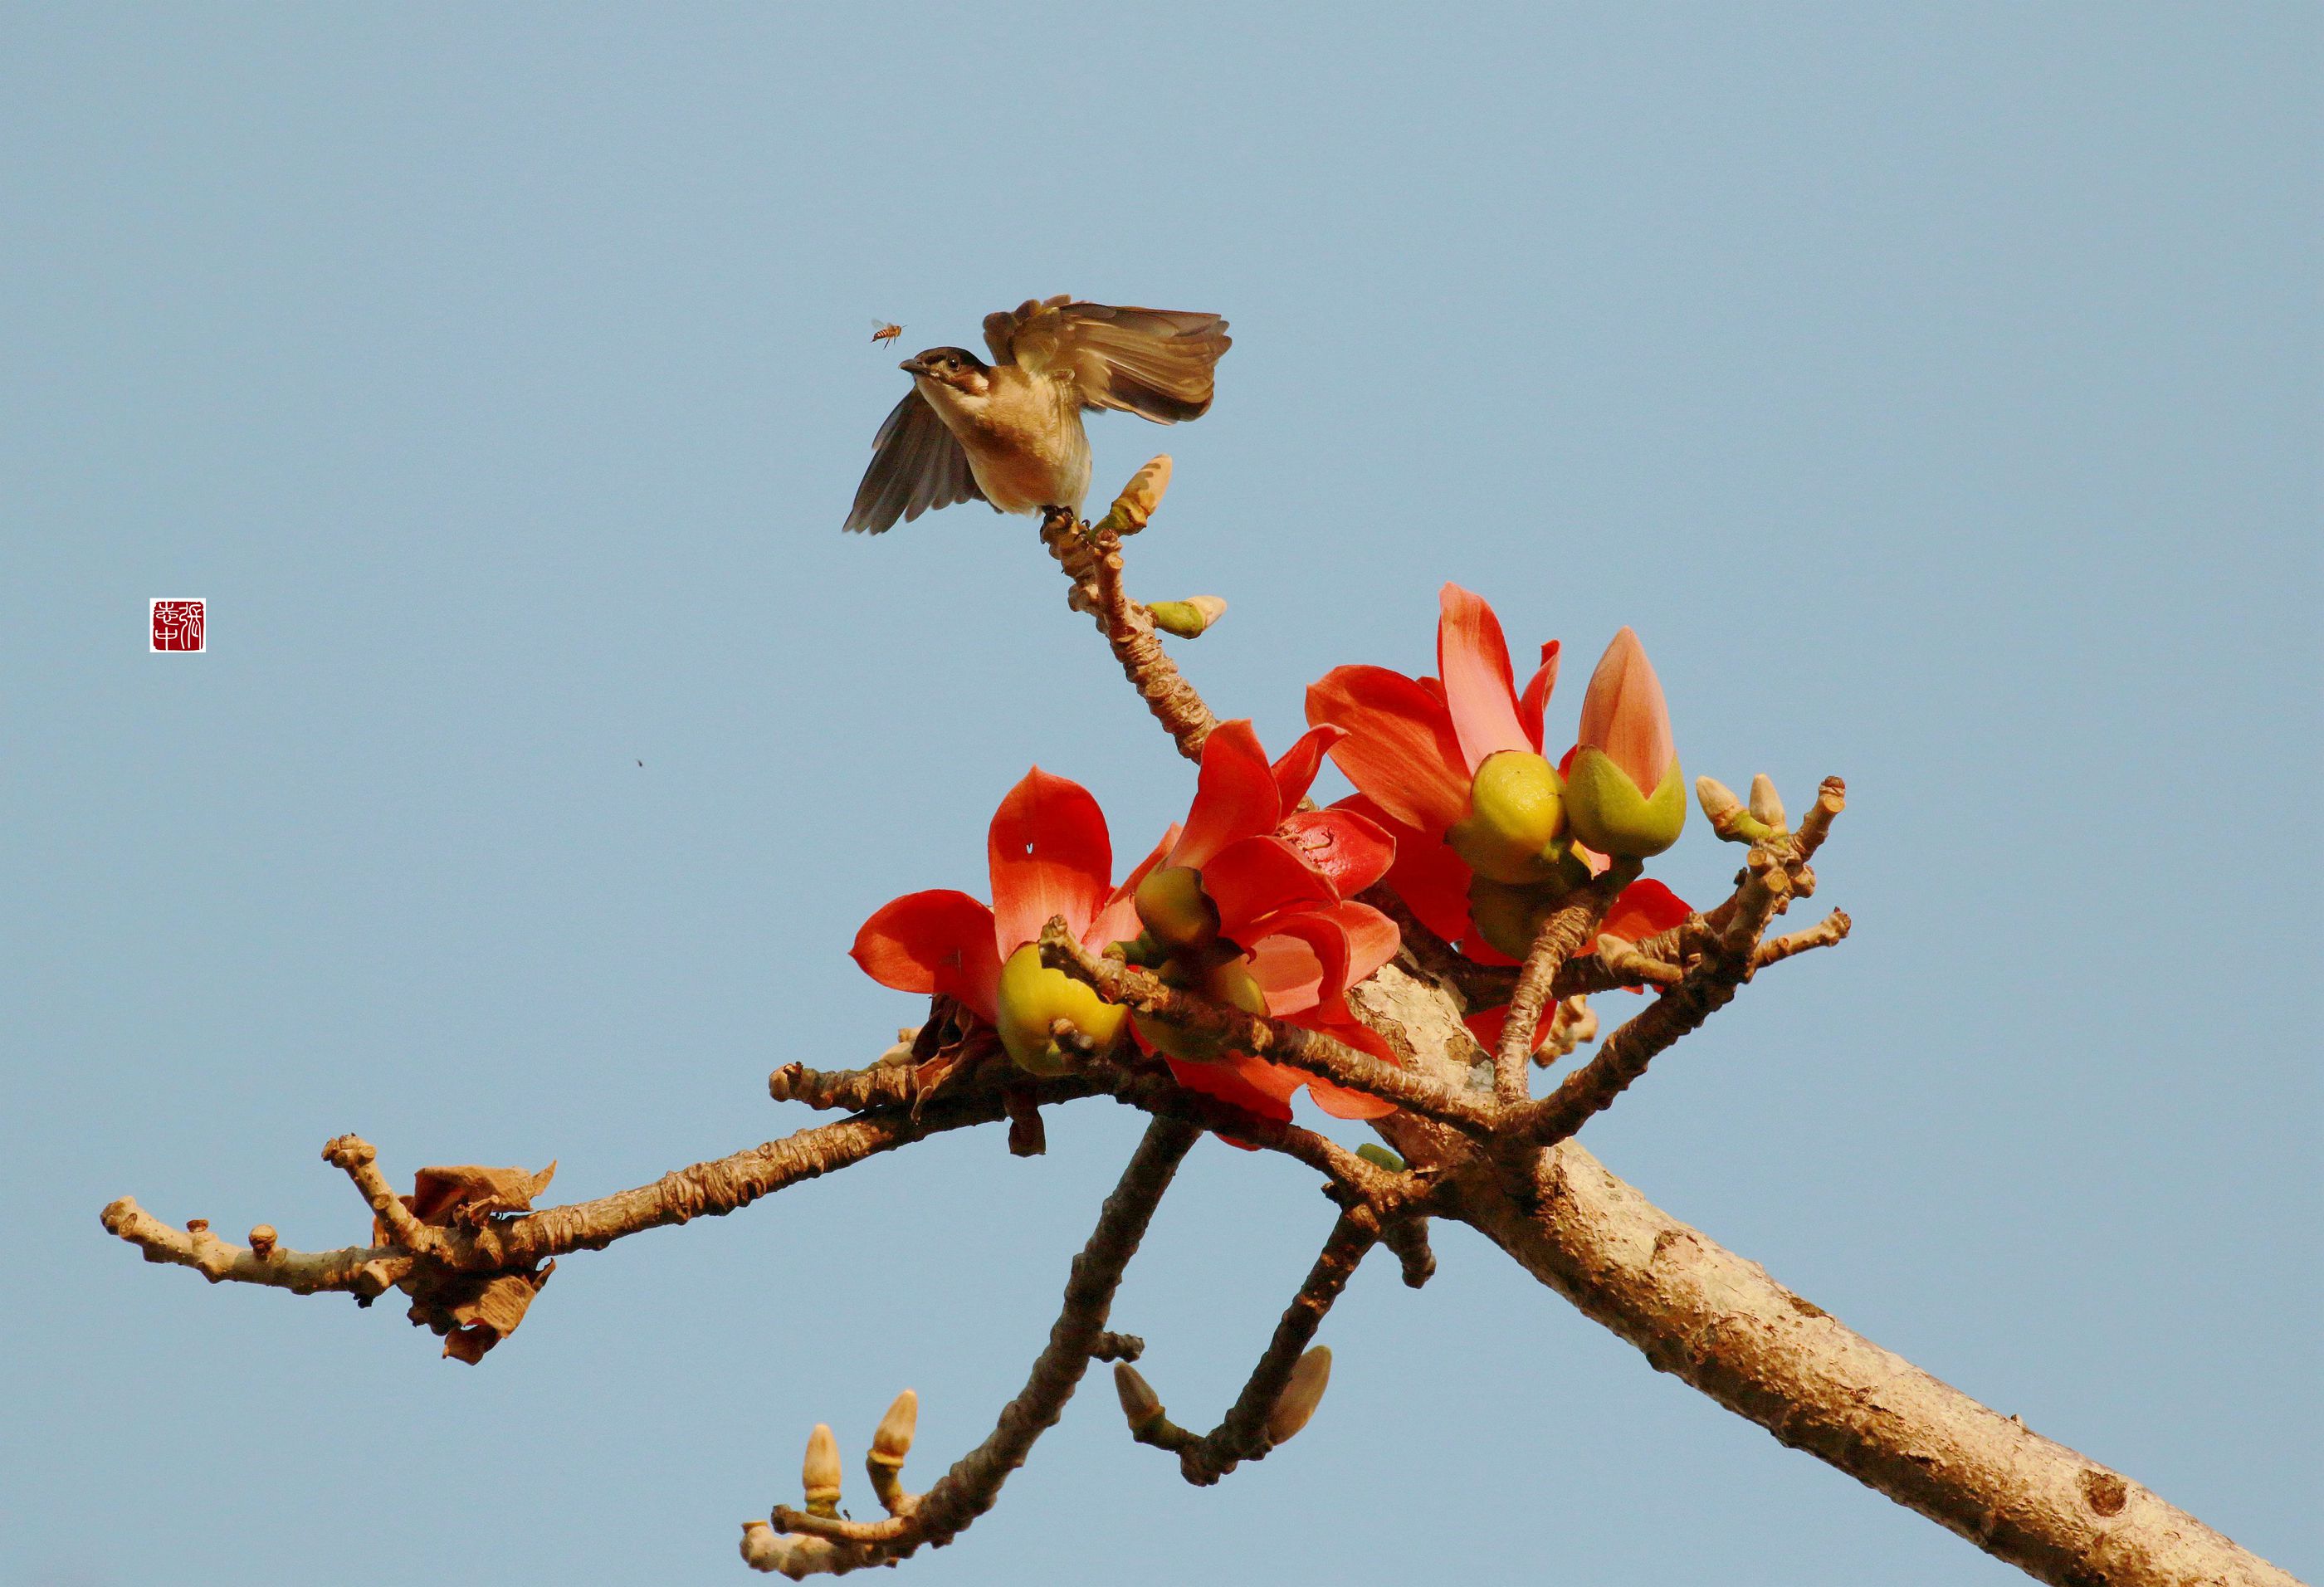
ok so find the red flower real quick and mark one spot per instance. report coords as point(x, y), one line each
point(1252, 906)
point(1048, 854)
point(1453, 769)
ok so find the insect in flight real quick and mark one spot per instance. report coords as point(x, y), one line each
point(882, 331)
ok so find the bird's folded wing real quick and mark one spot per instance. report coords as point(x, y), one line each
point(916, 464)
point(1155, 363)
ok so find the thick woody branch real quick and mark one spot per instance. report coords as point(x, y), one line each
point(1272, 1039)
point(973, 1484)
point(1566, 929)
point(1721, 1324)
point(1092, 559)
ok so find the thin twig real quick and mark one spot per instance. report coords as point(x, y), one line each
point(1825, 932)
point(1566, 929)
point(1242, 1433)
point(1092, 559)
point(1262, 1037)
point(974, 1484)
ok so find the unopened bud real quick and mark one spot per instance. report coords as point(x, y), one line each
point(1729, 818)
point(893, 1440)
point(819, 1471)
point(1140, 1405)
point(1190, 618)
point(262, 1241)
point(1300, 1396)
point(1766, 803)
point(198, 1225)
point(1380, 1156)
point(1140, 497)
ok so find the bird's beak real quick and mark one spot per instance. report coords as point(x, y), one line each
point(913, 366)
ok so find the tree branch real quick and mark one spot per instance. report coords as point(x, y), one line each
point(1566, 929)
point(974, 1484)
point(1242, 1433)
point(1272, 1039)
point(1092, 559)
point(1722, 1325)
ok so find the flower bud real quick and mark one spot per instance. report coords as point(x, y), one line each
point(1509, 918)
point(1140, 1405)
point(1229, 981)
point(1612, 815)
point(1300, 1396)
point(819, 1471)
point(1623, 790)
point(1190, 618)
point(1517, 812)
point(1032, 998)
point(1766, 803)
point(262, 1241)
point(1727, 815)
point(1380, 1156)
point(1177, 913)
point(893, 1440)
point(1139, 498)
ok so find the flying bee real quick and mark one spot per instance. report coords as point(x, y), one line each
point(882, 331)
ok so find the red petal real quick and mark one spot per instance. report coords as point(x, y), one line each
point(1289, 972)
point(1400, 747)
point(1118, 921)
point(1624, 714)
point(1234, 795)
point(930, 942)
point(1474, 661)
point(1295, 774)
point(1645, 907)
point(1259, 878)
point(1228, 1082)
point(1428, 876)
point(1372, 938)
point(1327, 946)
point(1534, 702)
point(1049, 855)
point(1351, 850)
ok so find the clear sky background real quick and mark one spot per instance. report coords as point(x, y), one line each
point(1935, 388)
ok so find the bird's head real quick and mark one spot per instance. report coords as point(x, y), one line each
point(954, 368)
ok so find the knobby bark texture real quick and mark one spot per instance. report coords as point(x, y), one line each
point(1721, 1324)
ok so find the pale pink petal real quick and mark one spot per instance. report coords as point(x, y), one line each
point(1474, 660)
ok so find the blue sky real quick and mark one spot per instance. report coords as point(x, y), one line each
point(1935, 387)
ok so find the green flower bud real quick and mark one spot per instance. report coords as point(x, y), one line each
point(1517, 812)
point(1613, 817)
point(1033, 998)
point(1190, 618)
point(1301, 1394)
point(1380, 1156)
point(1178, 914)
point(1230, 981)
point(1509, 918)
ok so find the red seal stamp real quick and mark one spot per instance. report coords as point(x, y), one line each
point(177, 625)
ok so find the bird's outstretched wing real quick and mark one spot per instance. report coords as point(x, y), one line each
point(916, 464)
point(1155, 363)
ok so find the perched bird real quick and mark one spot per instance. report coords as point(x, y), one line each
point(1010, 432)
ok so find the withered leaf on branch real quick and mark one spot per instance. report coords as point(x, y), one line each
point(468, 1196)
point(473, 1311)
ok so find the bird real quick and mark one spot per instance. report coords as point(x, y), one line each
point(1010, 432)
